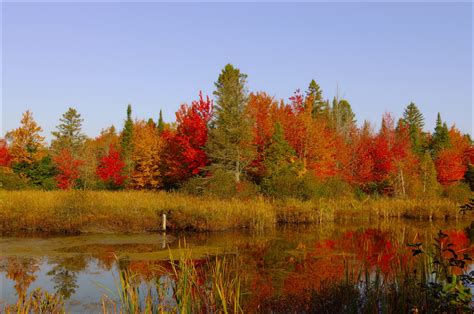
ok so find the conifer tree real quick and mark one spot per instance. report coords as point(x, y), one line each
point(126, 141)
point(161, 123)
point(319, 106)
point(69, 133)
point(440, 138)
point(230, 145)
point(280, 155)
point(414, 119)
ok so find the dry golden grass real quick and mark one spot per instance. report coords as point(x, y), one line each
point(127, 211)
point(140, 211)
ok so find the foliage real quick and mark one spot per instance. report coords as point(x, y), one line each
point(68, 169)
point(301, 143)
point(440, 139)
point(184, 154)
point(38, 174)
point(230, 143)
point(147, 146)
point(413, 118)
point(126, 140)
point(5, 157)
point(26, 143)
point(9, 180)
point(111, 169)
point(69, 132)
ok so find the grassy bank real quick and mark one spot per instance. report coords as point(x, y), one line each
point(136, 211)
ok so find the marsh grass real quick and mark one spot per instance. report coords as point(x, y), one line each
point(190, 286)
point(38, 301)
point(73, 212)
point(127, 211)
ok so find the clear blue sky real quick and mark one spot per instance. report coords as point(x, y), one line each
point(98, 57)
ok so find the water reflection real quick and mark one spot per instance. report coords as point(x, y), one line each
point(284, 264)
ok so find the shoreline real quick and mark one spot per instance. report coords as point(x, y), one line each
point(85, 212)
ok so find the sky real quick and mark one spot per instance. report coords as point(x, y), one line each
point(99, 57)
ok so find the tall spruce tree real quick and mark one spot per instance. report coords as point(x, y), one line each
point(320, 106)
point(161, 123)
point(69, 133)
point(279, 156)
point(413, 118)
point(126, 140)
point(440, 138)
point(230, 143)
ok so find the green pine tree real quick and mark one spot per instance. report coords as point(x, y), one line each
point(413, 118)
point(126, 140)
point(440, 138)
point(320, 106)
point(161, 123)
point(229, 145)
point(69, 132)
point(280, 156)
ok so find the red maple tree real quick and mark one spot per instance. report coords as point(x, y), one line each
point(184, 155)
point(111, 168)
point(450, 166)
point(68, 169)
point(5, 157)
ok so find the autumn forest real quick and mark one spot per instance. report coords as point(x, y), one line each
point(245, 143)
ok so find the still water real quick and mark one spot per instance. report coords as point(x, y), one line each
point(277, 263)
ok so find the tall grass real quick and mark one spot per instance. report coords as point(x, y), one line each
point(38, 301)
point(210, 287)
point(127, 211)
point(140, 211)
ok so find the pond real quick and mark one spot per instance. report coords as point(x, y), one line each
point(277, 263)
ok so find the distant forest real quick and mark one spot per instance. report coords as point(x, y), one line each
point(245, 143)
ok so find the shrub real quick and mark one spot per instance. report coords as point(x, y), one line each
point(11, 181)
point(459, 193)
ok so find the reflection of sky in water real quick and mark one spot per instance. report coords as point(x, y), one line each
point(84, 298)
point(287, 258)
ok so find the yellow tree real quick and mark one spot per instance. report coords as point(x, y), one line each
point(147, 146)
point(26, 143)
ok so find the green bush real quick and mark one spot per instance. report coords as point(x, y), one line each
point(460, 192)
point(220, 184)
point(307, 187)
point(11, 181)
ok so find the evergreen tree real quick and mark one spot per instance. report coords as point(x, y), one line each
point(127, 135)
point(319, 106)
point(69, 132)
point(440, 138)
point(161, 123)
point(230, 144)
point(279, 156)
point(414, 119)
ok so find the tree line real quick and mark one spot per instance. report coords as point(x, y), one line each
point(243, 141)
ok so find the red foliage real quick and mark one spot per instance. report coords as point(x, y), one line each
point(5, 157)
point(450, 166)
point(261, 108)
point(111, 168)
point(184, 153)
point(68, 169)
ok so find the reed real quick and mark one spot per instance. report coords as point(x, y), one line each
point(211, 287)
point(73, 212)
